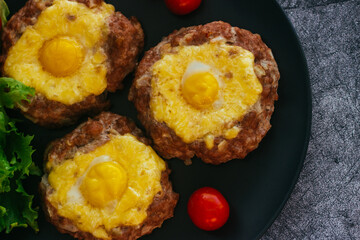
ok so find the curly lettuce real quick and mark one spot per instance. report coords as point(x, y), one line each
point(15, 161)
point(4, 12)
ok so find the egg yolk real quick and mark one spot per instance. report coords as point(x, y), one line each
point(61, 56)
point(200, 89)
point(104, 182)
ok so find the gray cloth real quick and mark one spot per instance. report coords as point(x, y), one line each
point(325, 203)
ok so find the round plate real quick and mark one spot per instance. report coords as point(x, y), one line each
point(256, 187)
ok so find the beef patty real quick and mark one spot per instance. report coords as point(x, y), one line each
point(123, 44)
point(84, 139)
point(253, 125)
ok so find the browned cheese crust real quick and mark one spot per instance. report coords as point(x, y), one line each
point(88, 136)
point(124, 43)
point(254, 125)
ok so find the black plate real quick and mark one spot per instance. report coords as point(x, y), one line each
point(256, 187)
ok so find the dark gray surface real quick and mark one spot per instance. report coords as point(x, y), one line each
point(325, 203)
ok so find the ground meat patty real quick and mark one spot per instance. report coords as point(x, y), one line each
point(254, 125)
point(124, 43)
point(87, 137)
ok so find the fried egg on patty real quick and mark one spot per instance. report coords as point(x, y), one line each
point(72, 52)
point(108, 182)
point(110, 186)
point(62, 55)
point(206, 90)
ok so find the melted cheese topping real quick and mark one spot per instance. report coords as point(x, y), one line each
point(66, 31)
point(128, 206)
point(239, 89)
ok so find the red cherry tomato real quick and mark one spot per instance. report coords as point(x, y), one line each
point(182, 7)
point(208, 209)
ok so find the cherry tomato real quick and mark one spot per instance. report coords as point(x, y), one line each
point(208, 209)
point(182, 7)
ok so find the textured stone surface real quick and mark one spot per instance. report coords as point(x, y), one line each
point(325, 203)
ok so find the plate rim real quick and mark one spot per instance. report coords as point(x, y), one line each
point(308, 127)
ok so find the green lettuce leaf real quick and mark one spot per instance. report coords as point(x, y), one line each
point(4, 12)
point(13, 92)
point(15, 161)
point(6, 172)
point(17, 209)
